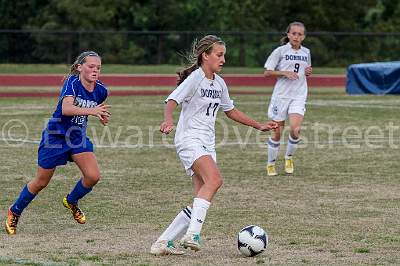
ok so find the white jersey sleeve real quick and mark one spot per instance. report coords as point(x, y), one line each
point(226, 102)
point(185, 90)
point(273, 60)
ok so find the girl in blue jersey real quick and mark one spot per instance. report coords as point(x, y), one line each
point(64, 139)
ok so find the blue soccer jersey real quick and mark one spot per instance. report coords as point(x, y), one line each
point(75, 126)
point(65, 136)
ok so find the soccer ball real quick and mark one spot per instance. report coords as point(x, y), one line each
point(252, 240)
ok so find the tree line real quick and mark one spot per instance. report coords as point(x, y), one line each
point(159, 31)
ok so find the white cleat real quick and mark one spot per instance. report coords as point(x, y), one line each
point(164, 247)
point(191, 241)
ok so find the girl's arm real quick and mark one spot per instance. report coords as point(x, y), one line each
point(69, 109)
point(287, 74)
point(240, 117)
point(168, 125)
point(308, 71)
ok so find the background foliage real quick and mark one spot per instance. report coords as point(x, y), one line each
point(155, 32)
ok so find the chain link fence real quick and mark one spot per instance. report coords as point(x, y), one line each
point(329, 49)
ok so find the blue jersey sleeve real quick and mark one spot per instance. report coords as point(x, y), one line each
point(102, 93)
point(105, 95)
point(68, 88)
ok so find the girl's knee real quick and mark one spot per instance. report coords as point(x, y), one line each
point(91, 179)
point(216, 182)
point(295, 133)
point(276, 135)
point(276, 138)
point(96, 179)
point(219, 183)
point(37, 185)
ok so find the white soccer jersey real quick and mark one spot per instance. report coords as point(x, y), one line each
point(200, 98)
point(285, 58)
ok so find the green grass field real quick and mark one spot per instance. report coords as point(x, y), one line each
point(341, 207)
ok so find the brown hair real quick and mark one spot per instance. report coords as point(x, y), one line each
point(195, 56)
point(80, 59)
point(285, 39)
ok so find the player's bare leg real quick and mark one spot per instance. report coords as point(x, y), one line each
point(206, 182)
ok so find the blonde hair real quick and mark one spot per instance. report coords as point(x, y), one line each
point(80, 59)
point(285, 39)
point(195, 56)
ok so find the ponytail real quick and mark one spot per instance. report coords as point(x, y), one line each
point(195, 56)
point(284, 40)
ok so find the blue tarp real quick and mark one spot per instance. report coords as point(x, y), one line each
point(374, 78)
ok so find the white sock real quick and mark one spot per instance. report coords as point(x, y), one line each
point(200, 207)
point(273, 149)
point(291, 146)
point(178, 226)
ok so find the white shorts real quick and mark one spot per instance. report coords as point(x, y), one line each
point(191, 153)
point(279, 109)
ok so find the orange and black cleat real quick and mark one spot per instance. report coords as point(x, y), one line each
point(77, 213)
point(11, 223)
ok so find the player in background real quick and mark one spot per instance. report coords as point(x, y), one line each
point(64, 139)
point(290, 63)
point(201, 92)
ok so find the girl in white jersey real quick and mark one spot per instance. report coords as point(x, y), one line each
point(201, 92)
point(290, 63)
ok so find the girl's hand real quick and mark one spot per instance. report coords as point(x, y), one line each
point(269, 126)
point(104, 120)
point(308, 71)
point(101, 111)
point(166, 127)
point(291, 75)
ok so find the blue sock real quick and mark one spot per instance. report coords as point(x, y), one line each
point(25, 197)
point(77, 193)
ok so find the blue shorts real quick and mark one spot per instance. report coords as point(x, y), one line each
point(55, 150)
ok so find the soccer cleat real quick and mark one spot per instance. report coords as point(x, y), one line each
point(289, 166)
point(78, 214)
point(271, 171)
point(191, 241)
point(11, 223)
point(164, 247)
